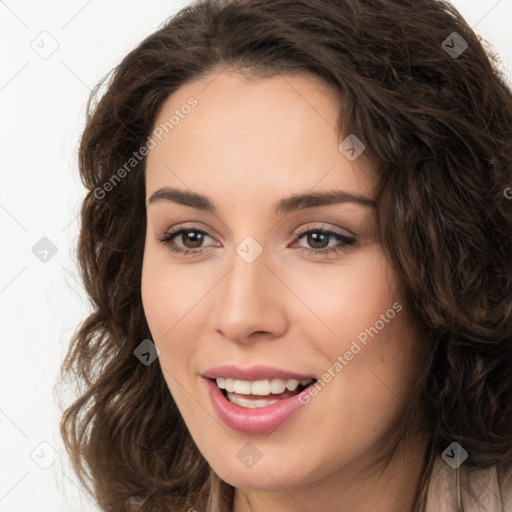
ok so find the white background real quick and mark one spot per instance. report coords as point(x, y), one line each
point(42, 105)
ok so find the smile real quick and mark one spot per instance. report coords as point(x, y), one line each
point(255, 405)
point(250, 394)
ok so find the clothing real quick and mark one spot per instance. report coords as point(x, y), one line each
point(481, 490)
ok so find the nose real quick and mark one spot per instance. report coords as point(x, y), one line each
point(251, 304)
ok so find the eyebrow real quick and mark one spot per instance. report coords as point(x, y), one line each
point(286, 205)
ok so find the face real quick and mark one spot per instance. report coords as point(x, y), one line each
point(248, 290)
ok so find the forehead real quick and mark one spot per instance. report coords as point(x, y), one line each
point(276, 133)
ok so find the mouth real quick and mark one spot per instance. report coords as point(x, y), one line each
point(260, 393)
point(260, 405)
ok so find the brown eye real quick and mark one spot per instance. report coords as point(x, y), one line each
point(185, 240)
point(319, 240)
point(192, 239)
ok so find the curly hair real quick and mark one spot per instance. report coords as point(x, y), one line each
point(439, 126)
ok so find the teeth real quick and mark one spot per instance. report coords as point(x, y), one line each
point(260, 387)
point(277, 386)
point(242, 387)
point(230, 385)
point(291, 385)
point(251, 404)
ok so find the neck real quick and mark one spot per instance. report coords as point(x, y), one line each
point(362, 487)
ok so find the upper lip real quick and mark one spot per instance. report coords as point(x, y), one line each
point(253, 373)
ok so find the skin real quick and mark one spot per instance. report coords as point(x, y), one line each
point(247, 144)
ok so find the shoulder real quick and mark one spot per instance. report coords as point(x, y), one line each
point(480, 490)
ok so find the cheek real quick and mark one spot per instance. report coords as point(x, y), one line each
point(153, 294)
point(349, 300)
point(176, 309)
point(165, 310)
point(361, 332)
point(171, 294)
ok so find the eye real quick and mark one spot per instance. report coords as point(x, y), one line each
point(320, 242)
point(189, 241)
point(191, 238)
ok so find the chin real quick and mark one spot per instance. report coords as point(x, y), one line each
point(261, 477)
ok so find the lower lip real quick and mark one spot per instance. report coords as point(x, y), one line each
point(260, 420)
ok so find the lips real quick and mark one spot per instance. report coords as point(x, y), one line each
point(254, 373)
point(243, 399)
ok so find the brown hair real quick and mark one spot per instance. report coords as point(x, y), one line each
point(440, 127)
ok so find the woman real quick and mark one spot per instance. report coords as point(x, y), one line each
point(297, 242)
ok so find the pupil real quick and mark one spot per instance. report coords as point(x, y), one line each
point(194, 237)
point(317, 238)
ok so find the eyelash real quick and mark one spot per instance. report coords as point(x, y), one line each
point(347, 241)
